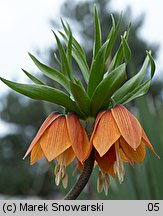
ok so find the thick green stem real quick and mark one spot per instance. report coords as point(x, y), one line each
point(86, 173)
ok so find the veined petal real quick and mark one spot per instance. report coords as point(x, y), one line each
point(125, 158)
point(100, 114)
point(78, 137)
point(43, 127)
point(36, 154)
point(147, 142)
point(128, 125)
point(55, 139)
point(66, 157)
point(105, 162)
point(106, 134)
point(137, 155)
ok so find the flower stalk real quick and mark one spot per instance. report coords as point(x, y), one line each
point(83, 179)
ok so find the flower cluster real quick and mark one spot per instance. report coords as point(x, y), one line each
point(117, 137)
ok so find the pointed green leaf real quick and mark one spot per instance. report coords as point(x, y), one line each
point(117, 59)
point(77, 52)
point(33, 78)
point(52, 73)
point(113, 21)
point(123, 52)
point(137, 92)
point(81, 98)
point(97, 34)
point(66, 69)
point(126, 34)
point(133, 82)
point(57, 59)
point(112, 30)
point(132, 88)
point(106, 89)
point(74, 41)
point(126, 50)
point(82, 64)
point(113, 38)
point(79, 57)
point(97, 70)
point(43, 92)
point(152, 63)
point(69, 48)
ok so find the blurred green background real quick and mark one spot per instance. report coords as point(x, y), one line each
point(24, 117)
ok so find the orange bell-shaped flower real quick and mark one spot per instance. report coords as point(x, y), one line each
point(118, 137)
point(61, 137)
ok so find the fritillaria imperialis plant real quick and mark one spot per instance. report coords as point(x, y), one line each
point(112, 135)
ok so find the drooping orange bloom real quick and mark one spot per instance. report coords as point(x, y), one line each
point(117, 137)
point(61, 137)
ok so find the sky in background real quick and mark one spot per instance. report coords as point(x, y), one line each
point(25, 26)
point(152, 29)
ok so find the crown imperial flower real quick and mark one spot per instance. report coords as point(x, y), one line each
point(118, 137)
point(61, 138)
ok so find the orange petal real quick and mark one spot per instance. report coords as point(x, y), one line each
point(78, 137)
point(55, 140)
point(36, 154)
point(43, 127)
point(128, 125)
point(66, 157)
point(106, 161)
point(147, 142)
point(111, 171)
point(100, 114)
point(106, 133)
point(137, 155)
point(125, 158)
point(78, 166)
